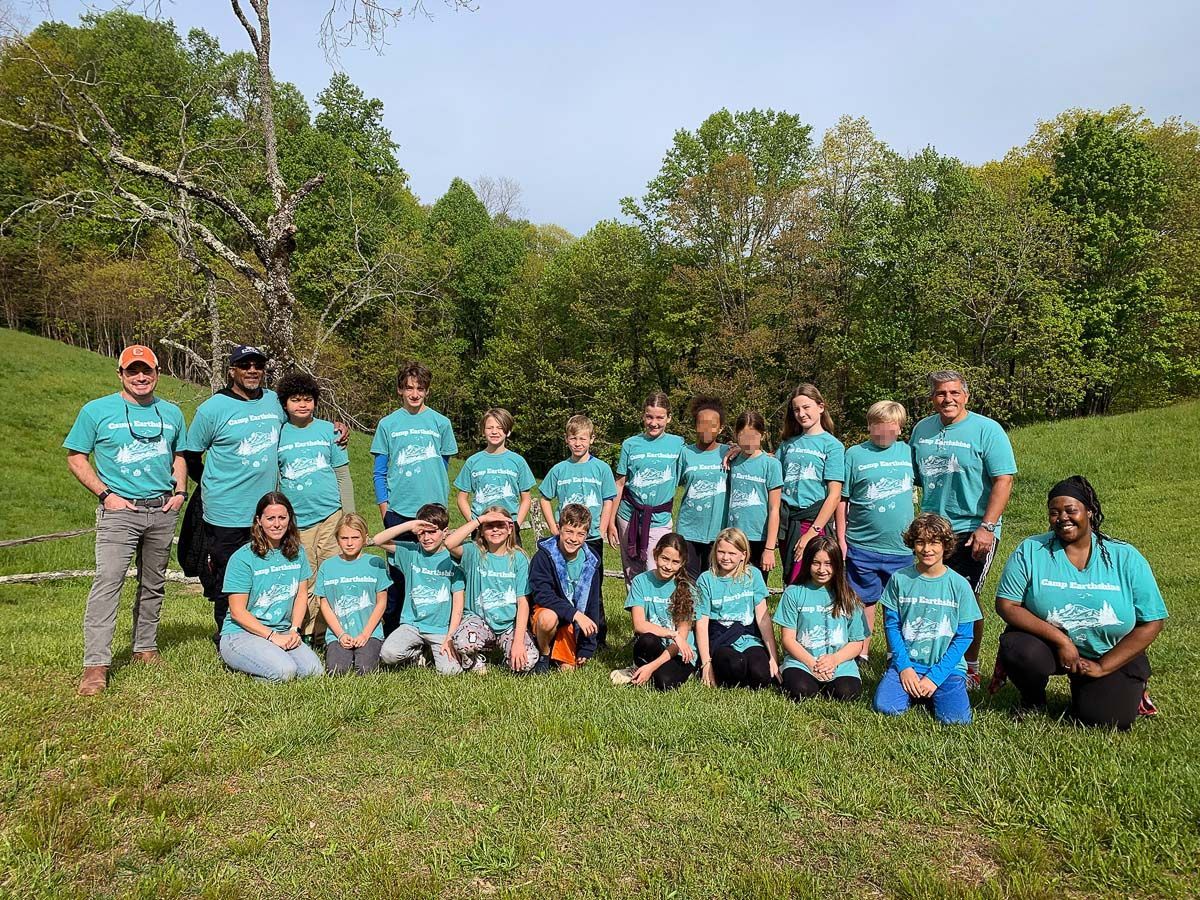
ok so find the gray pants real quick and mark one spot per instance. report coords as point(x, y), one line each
point(123, 535)
point(474, 637)
point(364, 659)
point(406, 645)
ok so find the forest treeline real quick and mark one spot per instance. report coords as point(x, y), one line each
point(1061, 279)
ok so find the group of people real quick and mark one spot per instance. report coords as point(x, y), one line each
point(280, 548)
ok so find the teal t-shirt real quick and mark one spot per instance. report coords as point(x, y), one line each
point(810, 462)
point(495, 479)
point(726, 600)
point(351, 587)
point(588, 483)
point(808, 610)
point(414, 446)
point(241, 440)
point(307, 458)
point(1096, 607)
point(270, 583)
point(574, 572)
point(878, 491)
point(430, 581)
point(133, 446)
point(651, 470)
point(930, 609)
point(493, 584)
point(955, 465)
point(653, 595)
point(751, 481)
point(704, 481)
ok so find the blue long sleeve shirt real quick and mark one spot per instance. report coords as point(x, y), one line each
point(379, 476)
point(944, 667)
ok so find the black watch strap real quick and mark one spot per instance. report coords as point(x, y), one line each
point(104, 495)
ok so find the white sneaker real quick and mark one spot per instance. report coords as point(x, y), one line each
point(479, 667)
point(622, 676)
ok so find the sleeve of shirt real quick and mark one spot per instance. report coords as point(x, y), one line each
point(402, 556)
point(462, 480)
point(608, 486)
point(835, 461)
point(998, 458)
point(912, 447)
point(890, 599)
point(239, 575)
point(449, 443)
point(968, 606)
point(458, 581)
point(306, 571)
point(703, 601)
point(945, 666)
point(522, 563)
point(380, 444)
point(848, 481)
point(82, 436)
point(637, 596)
point(774, 473)
point(858, 626)
point(549, 486)
point(179, 435)
point(1014, 580)
point(200, 435)
point(760, 586)
point(319, 587)
point(623, 460)
point(895, 640)
point(383, 580)
point(525, 479)
point(1148, 605)
point(338, 454)
point(785, 614)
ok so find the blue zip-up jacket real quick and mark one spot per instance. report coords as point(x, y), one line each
point(547, 587)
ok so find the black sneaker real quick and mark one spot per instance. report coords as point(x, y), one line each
point(542, 666)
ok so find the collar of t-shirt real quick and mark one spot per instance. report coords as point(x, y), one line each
point(228, 391)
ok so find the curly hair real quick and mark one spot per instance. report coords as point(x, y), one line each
point(931, 527)
point(297, 384)
point(682, 603)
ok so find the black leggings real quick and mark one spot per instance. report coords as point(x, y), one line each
point(756, 555)
point(668, 676)
point(750, 668)
point(596, 545)
point(801, 685)
point(698, 556)
point(1110, 701)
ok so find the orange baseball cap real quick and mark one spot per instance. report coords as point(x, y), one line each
point(137, 353)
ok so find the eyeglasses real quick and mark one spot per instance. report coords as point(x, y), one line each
point(248, 364)
point(145, 438)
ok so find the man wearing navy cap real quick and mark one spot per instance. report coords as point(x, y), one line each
point(134, 440)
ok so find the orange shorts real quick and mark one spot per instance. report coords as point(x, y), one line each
point(563, 649)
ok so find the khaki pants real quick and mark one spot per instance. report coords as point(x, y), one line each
point(320, 543)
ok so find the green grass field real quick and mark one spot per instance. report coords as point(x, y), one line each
point(191, 781)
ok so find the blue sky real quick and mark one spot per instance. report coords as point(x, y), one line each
point(578, 101)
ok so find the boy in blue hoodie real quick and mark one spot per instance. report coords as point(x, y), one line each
point(564, 591)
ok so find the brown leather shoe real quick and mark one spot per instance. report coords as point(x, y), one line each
point(150, 657)
point(95, 679)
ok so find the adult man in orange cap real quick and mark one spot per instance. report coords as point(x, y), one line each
point(134, 440)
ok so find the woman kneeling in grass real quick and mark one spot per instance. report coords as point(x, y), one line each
point(733, 627)
point(660, 601)
point(822, 626)
point(268, 598)
point(1081, 604)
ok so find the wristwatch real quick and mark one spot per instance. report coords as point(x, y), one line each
point(104, 495)
point(989, 527)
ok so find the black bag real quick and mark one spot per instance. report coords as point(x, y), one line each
point(193, 537)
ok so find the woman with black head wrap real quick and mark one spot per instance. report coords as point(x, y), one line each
point(1082, 604)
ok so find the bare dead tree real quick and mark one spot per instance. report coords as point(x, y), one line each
point(350, 23)
point(500, 196)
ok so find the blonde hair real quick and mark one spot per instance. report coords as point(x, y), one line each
point(887, 411)
point(580, 424)
point(502, 416)
point(736, 537)
point(510, 540)
point(354, 522)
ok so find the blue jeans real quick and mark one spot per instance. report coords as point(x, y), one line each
point(950, 703)
point(259, 658)
point(869, 572)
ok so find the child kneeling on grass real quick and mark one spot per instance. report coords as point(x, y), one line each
point(433, 589)
point(564, 588)
point(353, 590)
point(661, 603)
point(823, 627)
point(929, 612)
point(496, 572)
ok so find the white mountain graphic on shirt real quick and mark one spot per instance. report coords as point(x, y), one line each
point(935, 466)
point(705, 490)
point(283, 592)
point(352, 603)
point(801, 472)
point(413, 454)
point(591, 499)
point(1074, 617)
point(922, 629)
point(140, 452)
point(744, 499)
point(490, 493)
point(492, 598)
point(253, 444)
point(423, 596)
point(820, 636)
point(889, 487)
point(647, 478)
point(296, 469)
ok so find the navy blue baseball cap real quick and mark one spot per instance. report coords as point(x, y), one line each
point(245, 351)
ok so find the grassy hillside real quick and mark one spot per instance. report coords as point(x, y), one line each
point(191, 781)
